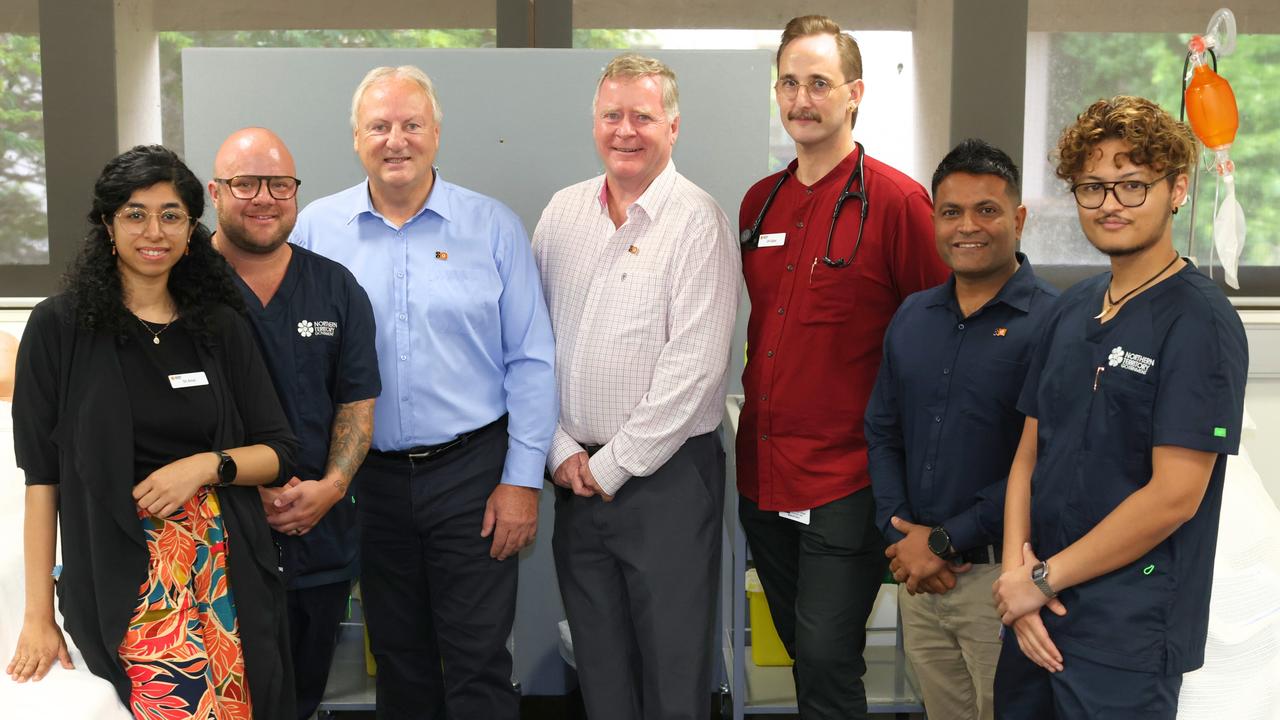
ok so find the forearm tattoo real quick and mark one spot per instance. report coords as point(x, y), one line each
point(349, 441)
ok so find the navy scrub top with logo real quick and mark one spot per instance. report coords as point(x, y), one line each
point(1168, 369)
point(317, 338)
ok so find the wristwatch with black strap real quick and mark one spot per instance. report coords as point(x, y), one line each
point(226, 469)
point(940, 543)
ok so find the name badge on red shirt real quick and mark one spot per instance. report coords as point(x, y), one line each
point(773, 239)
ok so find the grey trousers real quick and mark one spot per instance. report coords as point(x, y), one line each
point(638, 578)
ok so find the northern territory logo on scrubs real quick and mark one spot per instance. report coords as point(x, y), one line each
point(308, 328)
point(1130, 361)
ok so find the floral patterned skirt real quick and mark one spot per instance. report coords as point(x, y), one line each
point(182, 649)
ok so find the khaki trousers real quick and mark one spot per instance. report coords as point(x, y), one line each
point(953, 643)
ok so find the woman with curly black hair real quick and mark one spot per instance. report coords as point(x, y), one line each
point(144, 417)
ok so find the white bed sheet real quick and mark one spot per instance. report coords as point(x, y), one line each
point(64, 694)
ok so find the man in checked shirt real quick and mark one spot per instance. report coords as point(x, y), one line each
point(641, 278)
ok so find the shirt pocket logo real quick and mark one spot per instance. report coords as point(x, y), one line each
point(321, 328)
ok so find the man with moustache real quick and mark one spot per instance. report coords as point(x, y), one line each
point(822, 292)
point(315, 327)
point(1133, 400)
point(942, 427)
point(450, 489)
point(641, 275)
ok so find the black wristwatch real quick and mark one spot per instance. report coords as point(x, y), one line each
point(226, 469)
point(940, 543)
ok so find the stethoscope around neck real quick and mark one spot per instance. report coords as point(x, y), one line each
point(749, 239)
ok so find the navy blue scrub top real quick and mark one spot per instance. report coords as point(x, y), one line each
point(317, 338)
point(942, 425)
point(1168, 369)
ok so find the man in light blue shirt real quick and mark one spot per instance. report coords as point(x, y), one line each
point(468, 407)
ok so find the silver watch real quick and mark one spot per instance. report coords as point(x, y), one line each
point(1040, 576)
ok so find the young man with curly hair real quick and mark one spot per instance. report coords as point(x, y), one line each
point(1133, 401)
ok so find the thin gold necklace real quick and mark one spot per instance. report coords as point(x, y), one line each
point(1108, 304)
point(155, 336)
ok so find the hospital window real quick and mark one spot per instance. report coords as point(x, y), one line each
point(24, 230)
point(1066, 71)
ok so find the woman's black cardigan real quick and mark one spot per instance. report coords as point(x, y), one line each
point(72, 426)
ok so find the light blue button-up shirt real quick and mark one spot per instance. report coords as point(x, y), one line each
point(463, 334)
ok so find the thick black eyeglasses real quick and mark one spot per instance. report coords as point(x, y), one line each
point(247, 187)
point(749, 239)
point(1129, 193)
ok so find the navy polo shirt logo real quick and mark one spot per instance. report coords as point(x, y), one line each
point(1132, 362)
point(308, 328)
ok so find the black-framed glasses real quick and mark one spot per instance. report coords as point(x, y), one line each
point(247, 187)
point(135, 220)
point(1129, 193)
point(818, 88)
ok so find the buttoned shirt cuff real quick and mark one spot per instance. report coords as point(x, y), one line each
point(964, 531)
point(609, 475)
point(523, 467)
point(563, 447)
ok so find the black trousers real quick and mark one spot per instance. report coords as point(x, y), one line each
point(821, 582)
point(314, 616)
point(638, 579)
point(1084, 689)
point(438, 608)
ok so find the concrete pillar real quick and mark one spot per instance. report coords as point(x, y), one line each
point(932, 46)
point(137, 74)
point(989, 72)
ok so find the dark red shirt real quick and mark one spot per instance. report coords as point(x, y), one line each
point(814, 337)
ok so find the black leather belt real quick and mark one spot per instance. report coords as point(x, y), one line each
point(592, 449)
point(984, 555)
point(428, 453)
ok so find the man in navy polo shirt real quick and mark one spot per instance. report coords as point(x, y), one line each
point(315, 327)
point(1133, 401)
point(942, 427)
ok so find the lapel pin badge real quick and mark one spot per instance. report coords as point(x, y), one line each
point(442, 255)
point(1001, 332)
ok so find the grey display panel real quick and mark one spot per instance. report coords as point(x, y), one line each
point(517, 126)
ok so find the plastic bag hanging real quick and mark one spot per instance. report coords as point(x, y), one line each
point(1211, 110)
point(1229, 231)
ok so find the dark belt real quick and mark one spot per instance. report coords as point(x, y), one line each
point(592, 449)
point(428, 453)
point(984, 555)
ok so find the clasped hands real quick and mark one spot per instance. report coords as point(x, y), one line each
point(915, 566)
point(1018, 601)
point(575, 474)
point(298, 505)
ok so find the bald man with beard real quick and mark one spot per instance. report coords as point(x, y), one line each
point(315, 327)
